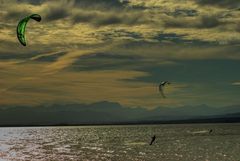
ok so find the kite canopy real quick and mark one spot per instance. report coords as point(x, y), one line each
point(22, 27)
point(160, 87)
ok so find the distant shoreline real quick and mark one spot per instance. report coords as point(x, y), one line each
point(189, 121)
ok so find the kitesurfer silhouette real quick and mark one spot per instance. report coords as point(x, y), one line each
point(153, 139)
point(210, 131)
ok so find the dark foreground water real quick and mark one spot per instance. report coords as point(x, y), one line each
point(174, 142)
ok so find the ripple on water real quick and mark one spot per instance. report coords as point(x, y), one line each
point(173, 142)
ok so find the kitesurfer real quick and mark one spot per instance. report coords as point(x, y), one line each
point(153, 139)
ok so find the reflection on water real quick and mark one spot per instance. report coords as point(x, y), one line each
point(173, 142)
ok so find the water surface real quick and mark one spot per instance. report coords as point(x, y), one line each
point(185, 142)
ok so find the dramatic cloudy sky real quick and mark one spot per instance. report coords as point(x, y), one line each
point(86, 51)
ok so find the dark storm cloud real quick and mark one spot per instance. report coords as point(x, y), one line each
point(96, 4)
point(93, 4)
point(16, 14)
point(178, 23)
point(106, 61)
point(183, 12)
point(221, 3)
point(106, 12)
point(56, 13)
point(120, 34)
point(94, 12)
point(204, 21)
point(110, 18)
point(100, 4)
point(33, 2)
point(209, 22)
point(50, 14)
point(180, 39)
point(84, 17)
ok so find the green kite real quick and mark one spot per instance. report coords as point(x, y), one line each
point(22, 27)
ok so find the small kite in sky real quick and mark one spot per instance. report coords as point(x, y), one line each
point(161, 86)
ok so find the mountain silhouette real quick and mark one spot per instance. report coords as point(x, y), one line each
point(107, 113)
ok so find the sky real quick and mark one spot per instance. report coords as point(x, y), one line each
point(87, 51)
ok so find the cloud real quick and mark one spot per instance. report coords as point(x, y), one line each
point(100, 4)
point(107, 61)
point(49, 57)
point(16, 14)
point(236, 83)
point(35, 2)
point(98, 18)
point(60, 86)
point(183, 13)
point(209, 22)
point(77, 40)
point(90, 21)
point(182, 49)
point(56, 13)
point(68, 58)
point(204, 21)
point(221, 3)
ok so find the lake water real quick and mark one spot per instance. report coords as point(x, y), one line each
point(185, 142)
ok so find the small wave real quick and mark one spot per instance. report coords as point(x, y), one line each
point(142, 153)
point(92, 148)
point(135, 143)
point(200, 132)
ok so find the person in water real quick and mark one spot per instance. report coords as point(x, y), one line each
point(153, 139)
point(210, 131)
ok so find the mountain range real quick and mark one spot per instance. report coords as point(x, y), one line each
point(108, 113)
